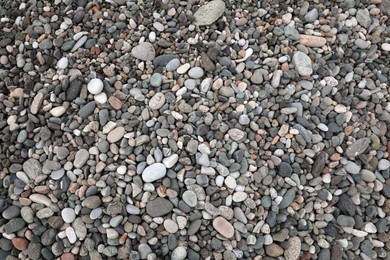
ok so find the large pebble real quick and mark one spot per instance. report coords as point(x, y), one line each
point(223, 227)
point(95, 86)
point(157, 101)
point(144, 51)
point(302, 64)
point(210, 12)
point(154, 172)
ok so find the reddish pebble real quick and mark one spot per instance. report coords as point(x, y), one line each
point(67, 256)
point(223, 227)
point(20, 243)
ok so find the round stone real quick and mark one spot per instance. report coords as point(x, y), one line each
point(95, 86)
point(170, 226)
point(223, 227)
point(68, 215)
point(190, 198)
point(196, 72)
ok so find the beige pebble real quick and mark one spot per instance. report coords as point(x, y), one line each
point(116, 134)
point(223, 227)
point(312, 41)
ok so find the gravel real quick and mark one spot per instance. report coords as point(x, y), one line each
point(194, 130)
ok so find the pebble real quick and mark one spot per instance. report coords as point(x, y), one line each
point(62, 63)
point(154, 172)
point(293, 249)
point(68, 215)
point(81, 158)
point(302, 64)
point(190, 198)
point(157, 101)
point(158, 207)
point(116, 134)
point(144, 51)
point(223, 227)
point(312, 41)
point(209, 13)
point(196, 72)
point(95, 86)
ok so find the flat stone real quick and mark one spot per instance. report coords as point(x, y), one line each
point(274, 250)
point(170, 226)
point(14, 225)
point(312, 41)
point(144, 51)
point(352, 167)
point(302, 64)
point(81, 158)
point(357, 148)
point(87, 110)
point(92, 202)
point(116, 134)
point(11, 212)
point(209, 13)
point(37, 103)
point(73, 90)
point(190, 198)
point(223, 227)
point(196, 72)
point(154, 172)
point(57, 111)
point(156, 80)
point(158, 207)
point(40, 199)
point(288, 198)
point(68, 215)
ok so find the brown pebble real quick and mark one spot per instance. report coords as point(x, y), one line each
point(115, 102)
point(20, 243)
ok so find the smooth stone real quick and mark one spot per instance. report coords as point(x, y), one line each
point(363, 17)
point(223, 227)
point(116, 134)
point(302, 64)
point(288, 198)
point(68, 215)
point(190, 198)
point(172, 65)
point(352, 167)
point(11, 212)
point(357, 148)
point(312, 41)
point(87, 110)
point(274, 250)
point(311, 16)
point(95, 86)
point(209, 13)
point(92, 202)
point(383, 164)
point(81, 158)
point(158, 207)
point(179, 253)
point(144, 51)
point(37, 103)
point(57, 111)
point(196, 72)
point(156, 80)
point(285, 170)
point(62, 63)
point(170, 161)
point(73, 90)
point(171, 226)
point(154, 172)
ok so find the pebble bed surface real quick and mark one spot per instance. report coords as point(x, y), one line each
point(194, 129)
